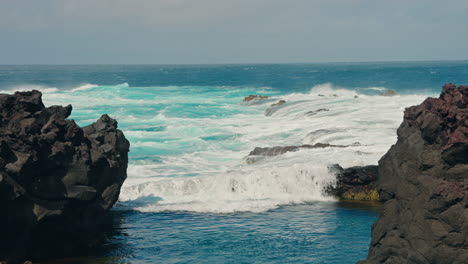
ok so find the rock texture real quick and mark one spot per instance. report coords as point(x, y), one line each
point(355, 183)
point(279, 150)
point(57, 180)
point(255, 97)
point(258, 152)
point(423, 180)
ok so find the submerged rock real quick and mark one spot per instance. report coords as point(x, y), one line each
point(258, 152)
point(57, 180)
point(312, 113)
point(278, 150)
point(389, 93)
point(423, 180)
point(274, 107)
point(280, 102)
point(255, 97)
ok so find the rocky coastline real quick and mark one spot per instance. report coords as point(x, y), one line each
point(57, 180)
point(355, 183)
point(423, 182)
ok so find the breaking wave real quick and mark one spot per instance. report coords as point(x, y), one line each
point(188, 144)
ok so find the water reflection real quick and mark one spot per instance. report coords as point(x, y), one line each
point(116, 250)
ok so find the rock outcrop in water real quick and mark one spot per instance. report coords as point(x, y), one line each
point(258, 152)
point(389, 93)
point(423, 180)
point(274, 107)
point(355, 183)
point(280, 102)
point(57, 180)
point(255, 97)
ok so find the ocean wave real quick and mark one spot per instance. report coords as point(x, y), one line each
point(379, 88)
point(29, 87)
point(84, 87)
point(244, 190)
point(195, 140)
point(328, 89)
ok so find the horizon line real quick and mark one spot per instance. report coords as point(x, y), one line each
point(229, 63)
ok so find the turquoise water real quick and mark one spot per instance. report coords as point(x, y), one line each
point(192, 197)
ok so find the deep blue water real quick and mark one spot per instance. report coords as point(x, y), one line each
point(319, 232)
point(192, 197)
point(399, 76)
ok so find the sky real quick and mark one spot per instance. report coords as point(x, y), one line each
point(234, 31)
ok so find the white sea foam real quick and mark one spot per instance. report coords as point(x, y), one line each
point(85, 87)
point(380, 89)
point(195, 162)
point(29, 87)
point(239, 190)
point(366, 123)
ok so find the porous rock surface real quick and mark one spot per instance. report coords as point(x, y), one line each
point(57, 180)
point(423, 180)
point(354, 183)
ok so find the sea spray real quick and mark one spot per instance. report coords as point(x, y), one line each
point(189, 143)
point(234, 191)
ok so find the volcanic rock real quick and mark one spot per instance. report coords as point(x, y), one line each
point(354, 183)
point(274, 107)
point(258, 152)
point(57, 180)
point(423, 180)
point(312, 113)
point(278, 150)
point(255, 97)
point(280, 102)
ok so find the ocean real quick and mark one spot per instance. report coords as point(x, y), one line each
point(192, 196)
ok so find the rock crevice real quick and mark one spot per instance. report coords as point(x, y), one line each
point(57, 180)
point(423, 181)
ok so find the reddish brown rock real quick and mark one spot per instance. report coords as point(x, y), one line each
point(423, 180)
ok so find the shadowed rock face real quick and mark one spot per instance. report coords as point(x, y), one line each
point(355, 183)
point(57, 180)
point(423, 180)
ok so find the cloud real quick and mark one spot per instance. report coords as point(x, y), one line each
point(175, 31)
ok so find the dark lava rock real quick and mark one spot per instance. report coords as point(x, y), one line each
point(355, 183)
point(423, 179)
point(57, 180)
point(312, 113)
point(278, 150)
point(255, 97)
point(280, 102)
point(258, 152)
